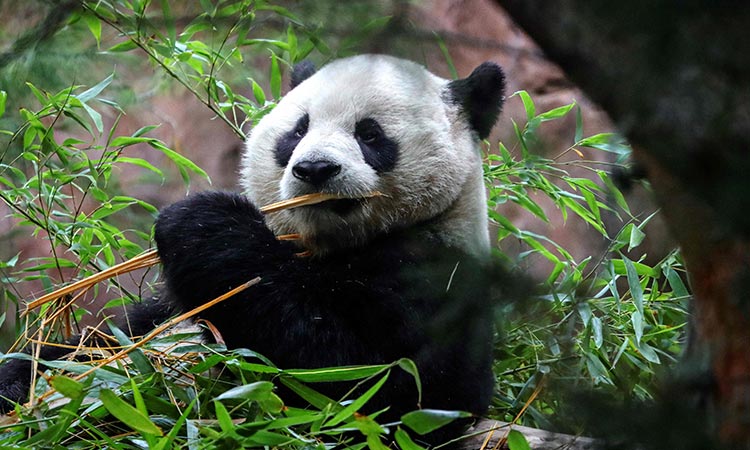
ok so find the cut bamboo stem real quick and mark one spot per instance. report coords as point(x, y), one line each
point(160, 329)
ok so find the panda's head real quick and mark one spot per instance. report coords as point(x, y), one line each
point(376, 123)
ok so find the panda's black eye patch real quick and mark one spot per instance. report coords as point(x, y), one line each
point(300, 130)
point(288, 142)
point(379, 151)
point(368, 131)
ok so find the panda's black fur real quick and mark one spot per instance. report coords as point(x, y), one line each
point(403, 292)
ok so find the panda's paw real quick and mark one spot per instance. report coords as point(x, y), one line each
point(217, 236)
point(14, 383)
point(205, 220)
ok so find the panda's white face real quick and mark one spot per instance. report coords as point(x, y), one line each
point(365, 124)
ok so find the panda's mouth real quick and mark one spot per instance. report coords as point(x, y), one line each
point(340, 206)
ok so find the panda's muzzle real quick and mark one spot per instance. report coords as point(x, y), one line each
point(317, 172)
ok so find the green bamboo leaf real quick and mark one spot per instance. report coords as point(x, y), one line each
point(95, 27)
point(291, 39)
point(614, 191)
point(127, 414)
point(168, 21)
point(530, 205)
point(528, 104)
point(257, 391)
point(640, 268)
point(521, 139)
point(507, 158)
point(95, 117)
point(3, 100)
point(258, 93)
point(125, 141)
point(405, 442)
point(280, 10)
point(67, 386)
point(275, 77)
point(124, 46)
point(637, 320)
point(410, 367)
point(608, 142)
point(424, 421)
point(517, 441)
point(556, 113)
point(596, 329)
point(596, 369)
point(180, 161)
point(223, 417)
point(176, 428)
point(636, 291)
point(107, 209)
point(636, 237)
point(648, 353)
point(140, 361)
point(38, 93)
point(311, 396)
point(584, 310)
point(374, 443)
point(95, 90)
point(357, 404)
point(140, 162)
point(344, 373)
point(675, 282)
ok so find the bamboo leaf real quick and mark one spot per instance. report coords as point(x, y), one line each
point(405, 442)
point(528, 104)
point(344, 373)
point(636, 291)
point(3, 100)
point(67, 386)
point(95, 90)
point(127, 414)
point(517, 441)
point(257, 391)
point(556, 113)
point(275, 77)
point(424, 421)
point(357, 404)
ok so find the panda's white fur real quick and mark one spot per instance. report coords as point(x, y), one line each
point(438, 173)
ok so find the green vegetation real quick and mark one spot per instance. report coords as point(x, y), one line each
point(608, 323)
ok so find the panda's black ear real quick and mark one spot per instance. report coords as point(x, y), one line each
point(301, 72)
point(481, 96)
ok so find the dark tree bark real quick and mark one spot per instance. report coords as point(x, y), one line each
point(675, 76)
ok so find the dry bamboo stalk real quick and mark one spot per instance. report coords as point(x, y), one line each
point(302, 200)
point(289, 237)
point(160, 329)
point(145, 259)
point(151, 258)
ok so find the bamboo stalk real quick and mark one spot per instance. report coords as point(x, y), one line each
point(160, 329)
point(145, 259)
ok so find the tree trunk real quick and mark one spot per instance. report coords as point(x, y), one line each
point(675, 76)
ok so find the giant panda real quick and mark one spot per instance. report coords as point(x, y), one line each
point(372, 279)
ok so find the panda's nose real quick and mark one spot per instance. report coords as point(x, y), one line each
point(315, 172)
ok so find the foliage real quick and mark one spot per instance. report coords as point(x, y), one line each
point(607, 323)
